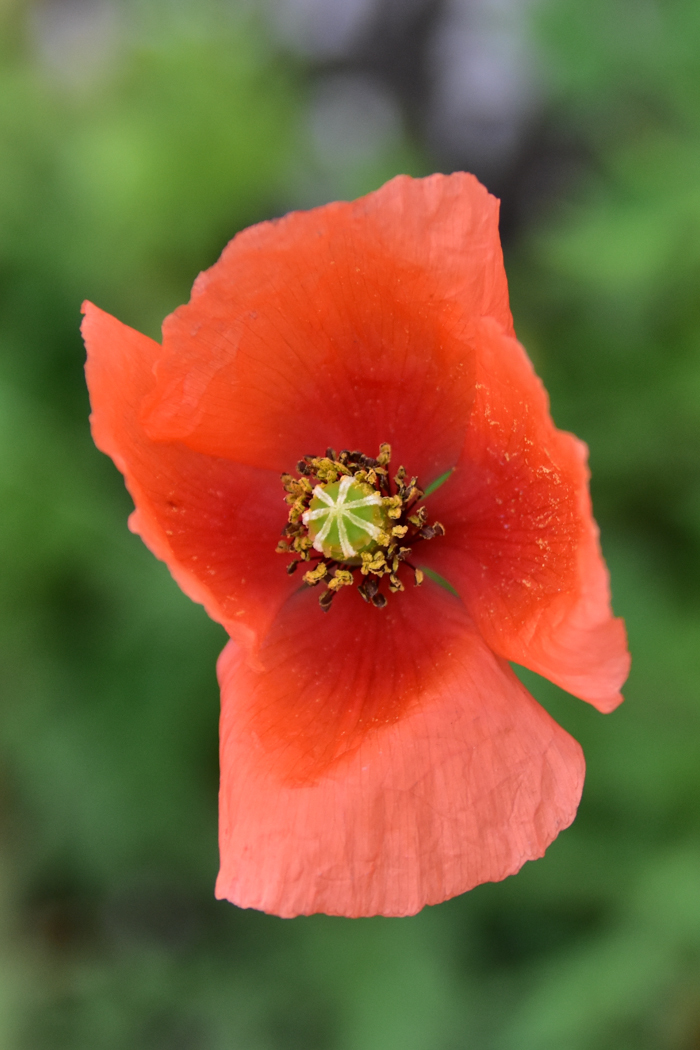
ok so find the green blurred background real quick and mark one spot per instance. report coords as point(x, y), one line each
point(135, 139)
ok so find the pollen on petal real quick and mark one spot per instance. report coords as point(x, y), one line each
point(522, 547)
point(377, 752)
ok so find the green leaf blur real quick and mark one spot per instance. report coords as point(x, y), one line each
point(120, 179)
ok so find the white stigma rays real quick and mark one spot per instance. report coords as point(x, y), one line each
point(340, 512)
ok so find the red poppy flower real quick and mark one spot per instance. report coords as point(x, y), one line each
point(377, 755)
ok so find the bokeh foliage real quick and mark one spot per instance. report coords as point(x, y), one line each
point(119, 183)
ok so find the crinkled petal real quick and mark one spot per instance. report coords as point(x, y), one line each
point(344, 326)
point(214, 523)
point(522, 546)
point(374, 764)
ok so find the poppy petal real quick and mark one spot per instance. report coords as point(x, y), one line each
point(452, 777)
point(213, 522)
point(355, 318)
point(522, 546)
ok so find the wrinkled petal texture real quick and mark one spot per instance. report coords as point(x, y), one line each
point(522, 546)
point(356, 319)
point(457, 777)
point(372, 761)
point(214, 522)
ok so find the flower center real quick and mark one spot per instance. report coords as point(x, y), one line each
point(345, 518)
point(356, 521)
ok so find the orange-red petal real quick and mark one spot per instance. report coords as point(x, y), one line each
point(373, 761)
point(522, 546)
point(382, 762)
point(344, 326)
point(213, 522)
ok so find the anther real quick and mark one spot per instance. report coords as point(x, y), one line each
point(345, 507)
point(314, 576)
